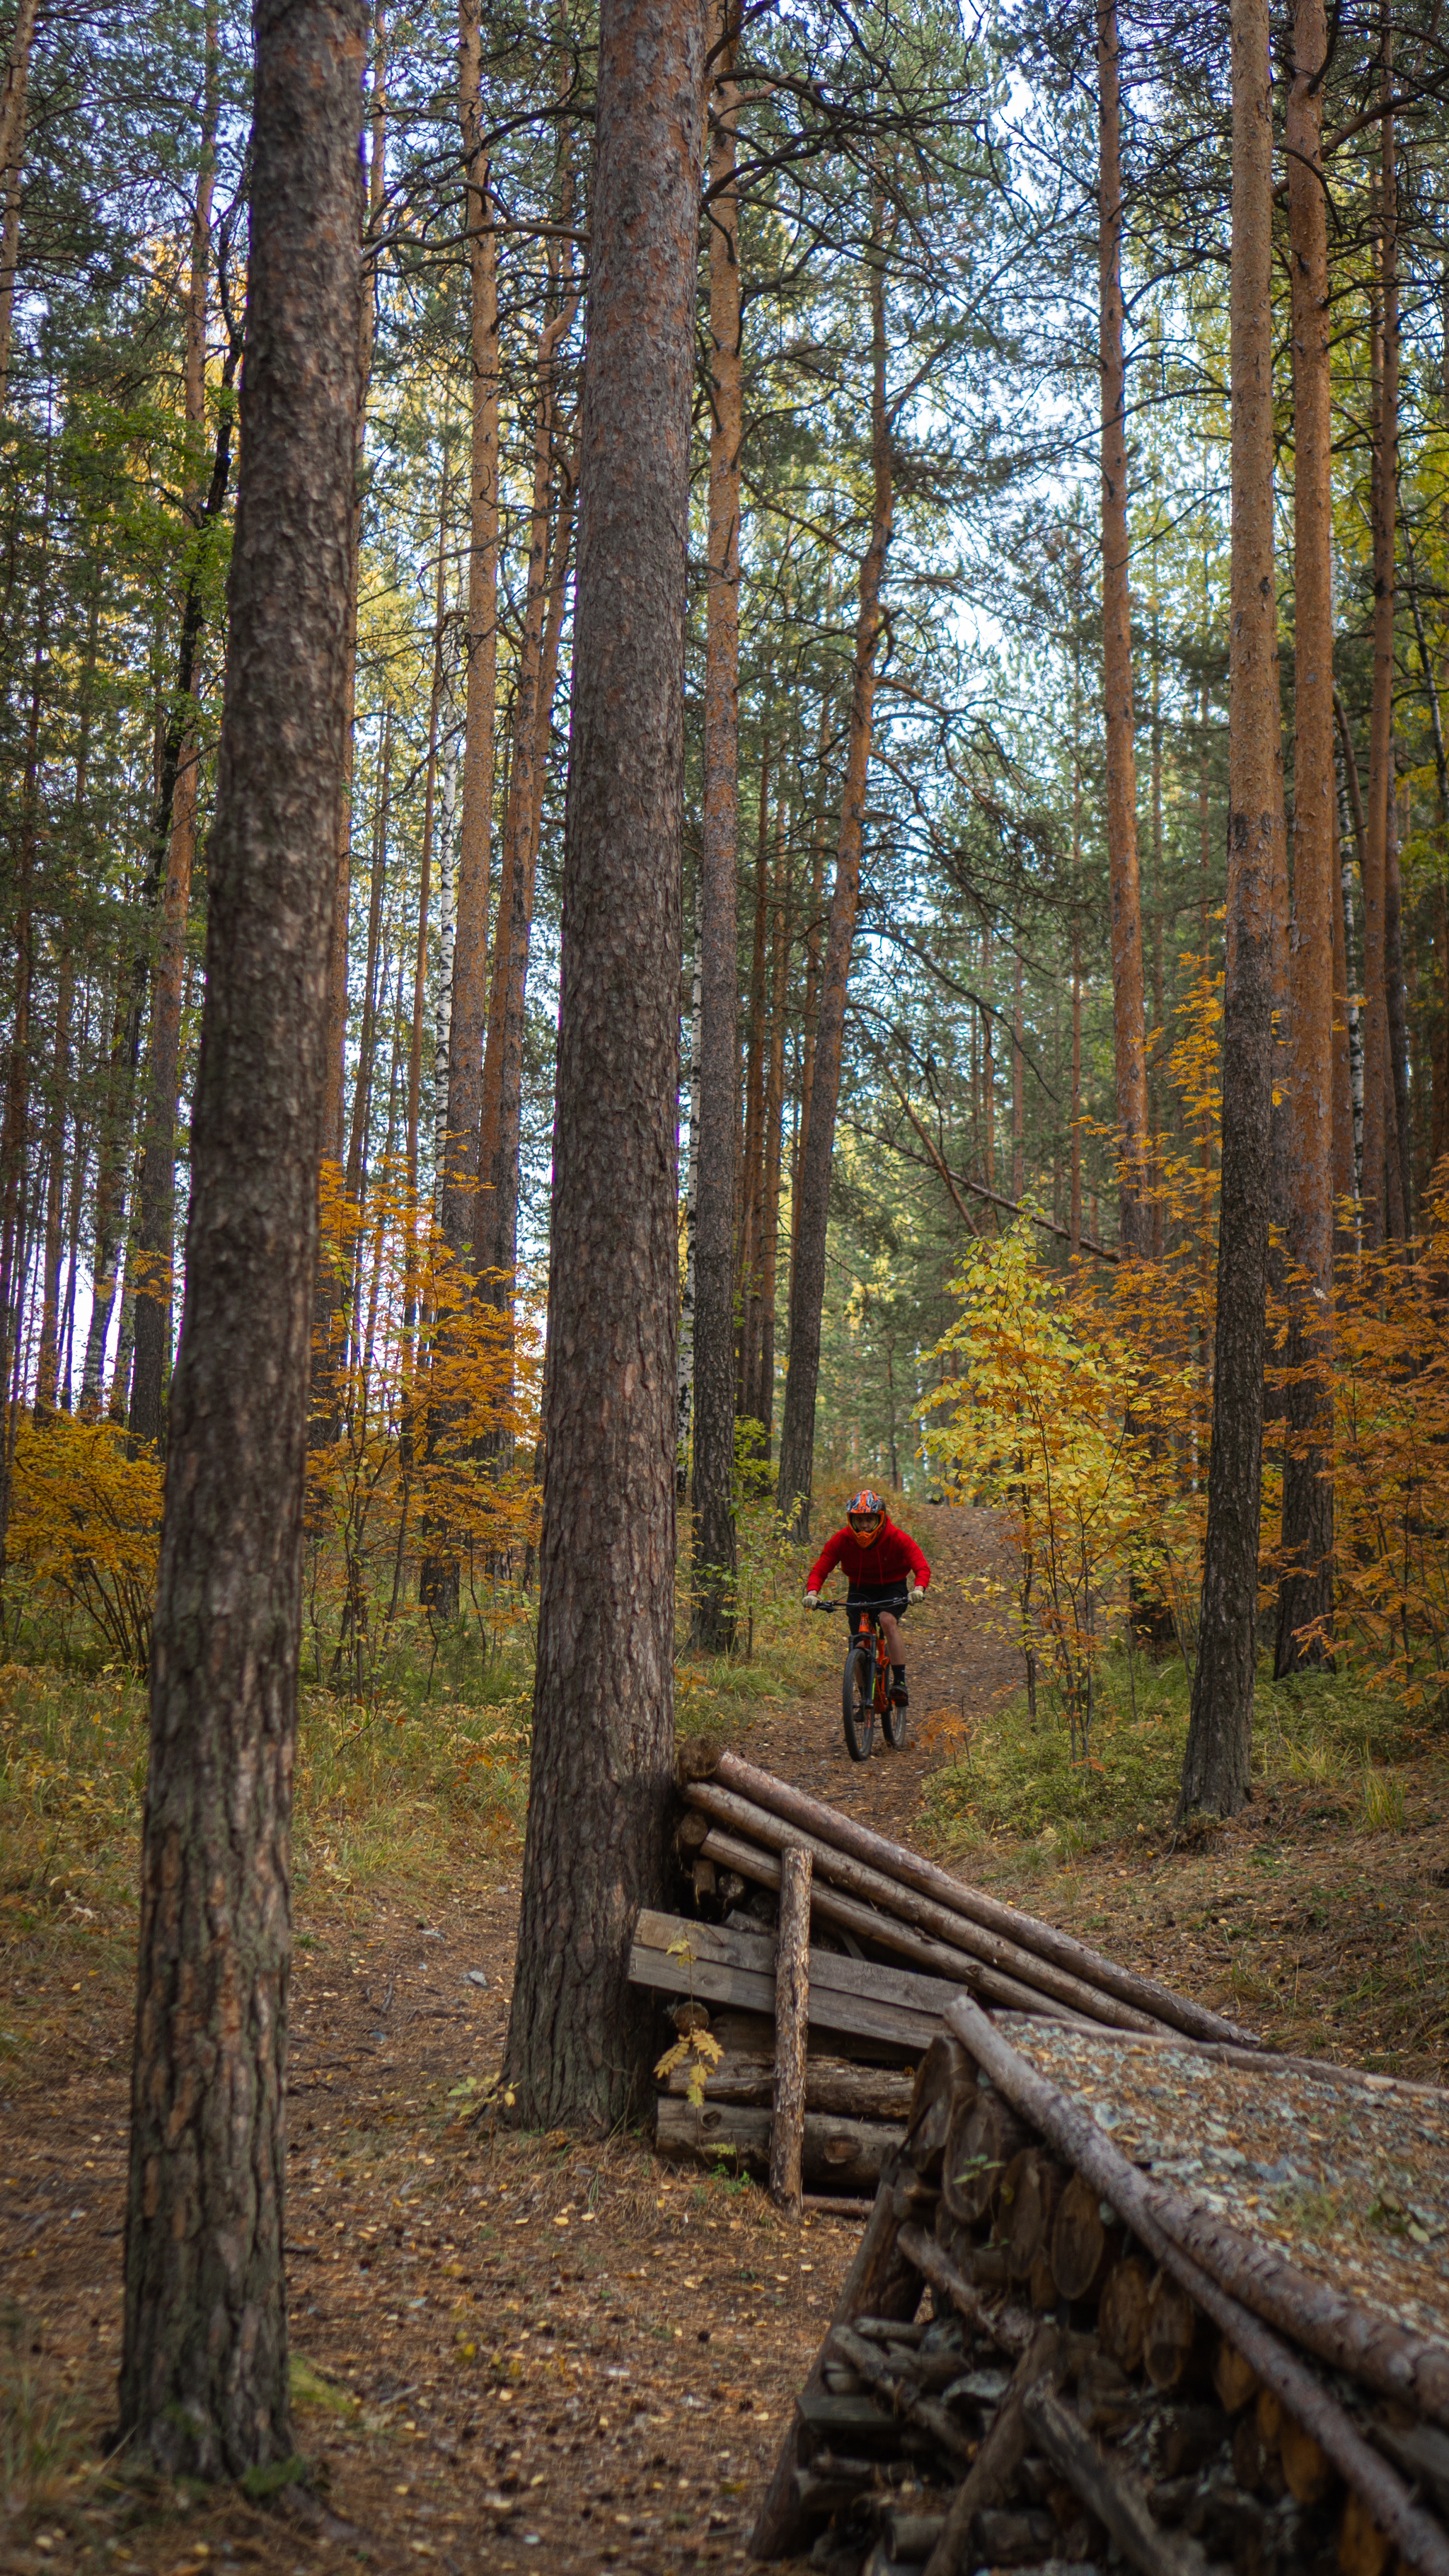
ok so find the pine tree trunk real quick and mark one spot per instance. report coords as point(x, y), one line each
point(1018, 1091)
point(475, 843)
point(712, 1538)
point(797, 1434)
point(774, 1129)
point(1215, 1767)
point(1384, 508)
point(47, 1365)
point(684, 1368)
point(338, 944)
point(14, 1132)
point(1306, 1588)
point(14, 100)
point(496, 1229)
point(204, 2372)
point(751, 1160)
point(812, 975)
point(1400, 1136)
point(603, 1717)
point(1128, 1002)
point(1356, 842)
point(425, 871)
point(156, 1215)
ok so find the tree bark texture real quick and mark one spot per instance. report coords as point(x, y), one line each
point(712, 1532)
point(496, 1228)
point(1384, 497)
point(1306, 1588)
point(1129, 1019)
point(204, 2368)
point(334, 1111)
point(1215, 1767)
point(792, 2000)
point(603, 1719)
point(14, 102)
point(475, 838)
point(797, 1431)
point(156, 1215)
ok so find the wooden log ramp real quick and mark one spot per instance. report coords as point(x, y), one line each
point(1042, 2359)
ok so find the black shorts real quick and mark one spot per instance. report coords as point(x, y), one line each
point(873, 1596)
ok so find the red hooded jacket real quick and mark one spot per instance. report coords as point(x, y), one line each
point(890, 1559)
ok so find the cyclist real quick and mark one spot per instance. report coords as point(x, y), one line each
point(881, 1565)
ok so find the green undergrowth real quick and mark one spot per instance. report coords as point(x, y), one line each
point(1321, 1736)
point(384, 1787)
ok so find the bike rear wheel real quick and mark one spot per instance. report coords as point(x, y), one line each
point(857, 1697)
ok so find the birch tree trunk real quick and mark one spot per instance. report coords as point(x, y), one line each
point(1306, 1589)
point(712, 1541)
point(204, 2369)
point(797, 1431)
point(1215, 1767)
point(1129, 1017)
point(469, 1008)
point(603, 1716)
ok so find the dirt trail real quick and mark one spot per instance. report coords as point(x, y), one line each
point(958, 1667)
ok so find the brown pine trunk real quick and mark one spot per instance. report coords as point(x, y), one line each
point(751, 1170)
point(156, 1214)
point(14, 1133)
point(712, 1537)
point(204, 2370)
point(774, 1129)
point(1215, 1767)
point(1306, 1588)
point(1018, 1092)
point(502, 1201)
point(1128, 1003)
point(335, 1106)
point(1343, 1173)
point(1384, 510)
point(13, 110)
point(1353, 956)
point(475, 839)
point(496, 1229)
point(1400, 1150)
point(797, 1435)
point(579, 2041)
point(812, 975)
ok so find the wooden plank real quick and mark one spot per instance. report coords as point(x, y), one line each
point(751, 1990)
point(722, 1946)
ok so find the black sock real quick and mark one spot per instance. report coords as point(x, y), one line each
point(900, 1671)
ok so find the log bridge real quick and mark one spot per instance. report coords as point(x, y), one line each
point(1131, 2290)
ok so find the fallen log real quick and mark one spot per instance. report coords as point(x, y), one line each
point(1057, 1949)
point(988, 2481)
point(881, 2282)
point(792, 1999)
point(946, 2072)
point(834, 2084)
point(1074, 2134)
point(958, 1966)
point(1085, 2245)
point(839, 2155)
point(871, 2365)
point(1009, 2328)
point(1107, 2490)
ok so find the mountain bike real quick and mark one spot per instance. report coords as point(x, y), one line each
point(865, 1688)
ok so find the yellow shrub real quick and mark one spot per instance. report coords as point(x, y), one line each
point(85, 1527)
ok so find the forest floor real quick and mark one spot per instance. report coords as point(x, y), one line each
point(527, 2352)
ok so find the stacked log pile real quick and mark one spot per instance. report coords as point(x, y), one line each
point(811, 1938)
point(1120, 2301)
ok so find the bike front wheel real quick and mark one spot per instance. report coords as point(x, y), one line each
point(893, 1720)
point(858, 1703)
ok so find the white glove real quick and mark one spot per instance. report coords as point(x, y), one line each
point(812, 1601)
point(912, 1587)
